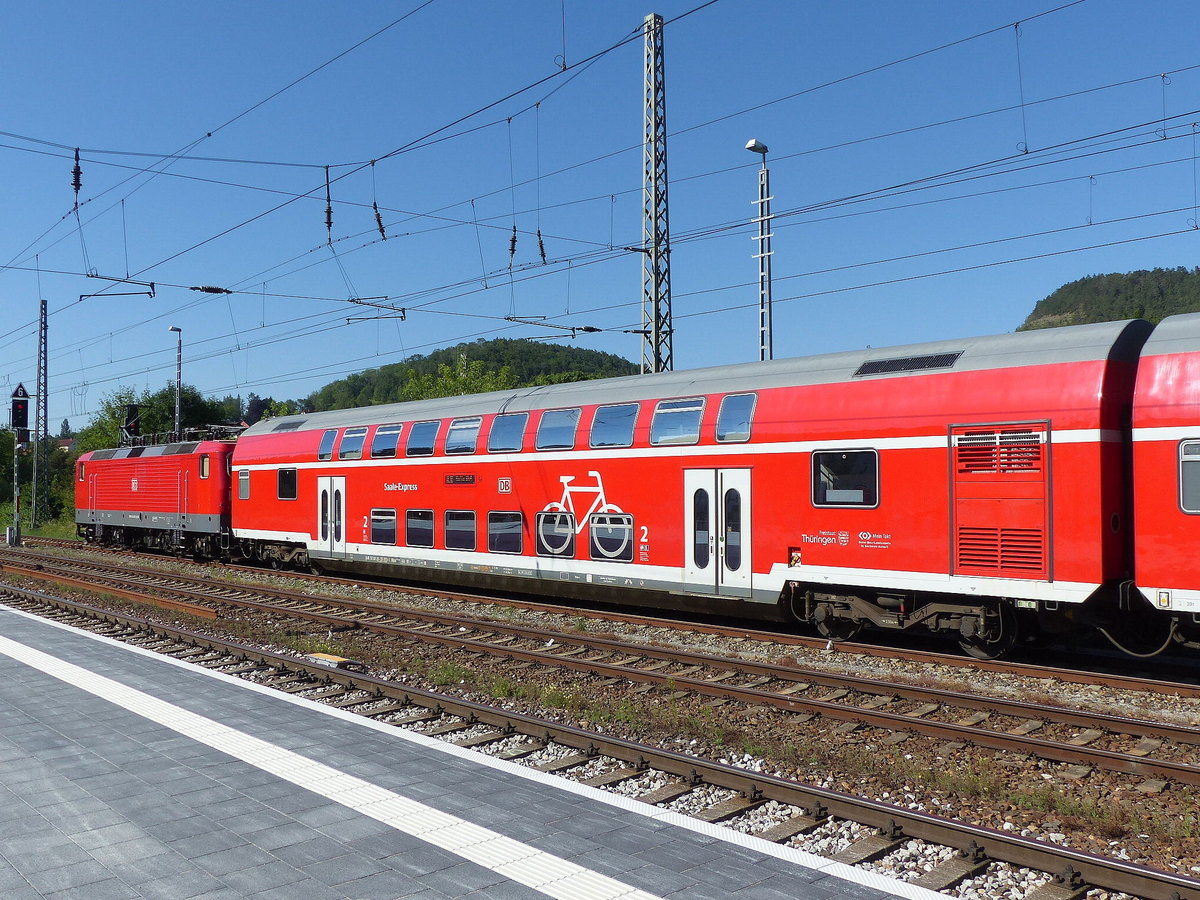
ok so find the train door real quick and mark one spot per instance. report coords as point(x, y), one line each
point(716, 516)
point(331, 514)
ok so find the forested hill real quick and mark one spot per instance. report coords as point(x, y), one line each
point(1152, 295)
point(470, 368)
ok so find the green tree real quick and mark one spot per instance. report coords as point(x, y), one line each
point(464, 377)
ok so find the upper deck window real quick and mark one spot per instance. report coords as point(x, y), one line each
point(352, 443)
point(387, 438)
point(325, 451)
point(507, 433)
point(421, 438)
point(613, 425)
point(556, 430)
point(734, 417)
point(677, 421)
point(462, 436)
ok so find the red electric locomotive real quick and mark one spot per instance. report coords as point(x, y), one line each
point(167, 497)
point(978, 487)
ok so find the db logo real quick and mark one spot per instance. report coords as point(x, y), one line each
point(864, 535)
point(504, 485)
point(133, 485)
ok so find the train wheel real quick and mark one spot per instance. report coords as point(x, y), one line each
point(834, 627)
point(997, 637)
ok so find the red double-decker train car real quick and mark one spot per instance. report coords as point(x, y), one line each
point(979, 487)
point(167, 497)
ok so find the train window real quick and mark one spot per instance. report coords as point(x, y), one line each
point(385, 441)
point(733, 530)
point(734, 417)
point(556, 430)
point(462, 436)
point(243, 484)
point(613, 425)
point(702, 535)
point(845, 478)
point(286, 484)
point(1189, 476)
point(507, 433)
point(418, 527)
point(421, 438)
point(505, 532)
point(383, 526)
point(81, 476)
point(611, 537)
point(460, 529)
point(325, 451)
point(204, 465)
point(677, 421)
point(555, 534)
point(351, 446)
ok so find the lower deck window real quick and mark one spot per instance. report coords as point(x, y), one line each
point(286, 484)
point(505, 532)
point(555, 534)
point(845, 478)
point(418, 527)
point(611, 537)
point(383, 526)
point(460, 529)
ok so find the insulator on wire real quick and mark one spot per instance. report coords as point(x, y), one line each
point(76, 177)
point(541, 246)
point(379, 220)
point(328, 210)
point(512, 247)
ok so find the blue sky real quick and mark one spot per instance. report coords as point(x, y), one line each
point(917, 197)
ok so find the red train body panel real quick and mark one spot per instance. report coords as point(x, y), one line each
point(175, 491)
point(960, 486)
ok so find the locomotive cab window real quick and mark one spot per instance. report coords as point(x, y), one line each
point(421, 438)
point(556, 430)
point(81, 465)
point(507, 433)
point(243, 484)
point(286, 484)
point(734, 417)
point(1189, 476)
point(204, 465)
point(845, 478)
point(613, 425)
point(352, 443)
point(677, 421)
point(325, 451)
point(385, 441)
point(462, 436)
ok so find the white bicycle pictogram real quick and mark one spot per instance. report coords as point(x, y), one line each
point(560, 526)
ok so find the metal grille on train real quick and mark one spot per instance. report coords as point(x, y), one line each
point(1000, 502)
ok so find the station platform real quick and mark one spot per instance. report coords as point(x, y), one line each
point(124, 774)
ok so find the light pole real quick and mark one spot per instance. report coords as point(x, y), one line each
point(178, 379)
point(766, 342)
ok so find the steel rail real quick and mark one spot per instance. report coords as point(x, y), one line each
point(1101, 872)
point(1014, 742)
point(1052, 673)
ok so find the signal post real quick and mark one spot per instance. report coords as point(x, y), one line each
point(19, 422)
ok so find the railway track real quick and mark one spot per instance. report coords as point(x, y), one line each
point(1181, 679)
point(523, 737)
point(1083, 740)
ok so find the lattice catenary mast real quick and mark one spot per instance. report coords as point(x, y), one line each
point(41, 437)
point(656, 234)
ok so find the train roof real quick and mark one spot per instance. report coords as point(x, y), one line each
point(1078, 343)
point(1174, 334)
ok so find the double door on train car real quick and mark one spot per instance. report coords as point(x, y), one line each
point(716, 517)
point(331, 514)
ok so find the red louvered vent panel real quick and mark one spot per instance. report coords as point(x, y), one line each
point(1019, 552)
